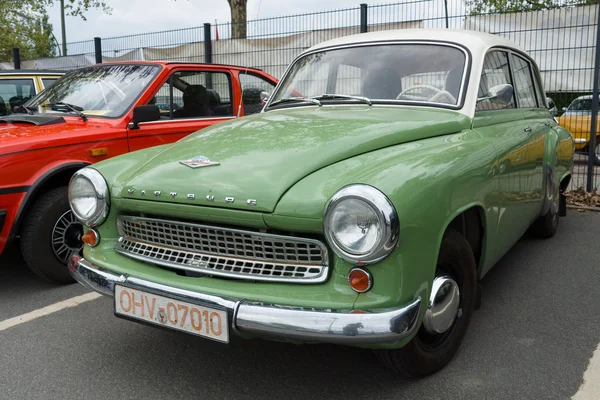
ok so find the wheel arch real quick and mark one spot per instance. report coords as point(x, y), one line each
point(57, 176)
point(470, 222)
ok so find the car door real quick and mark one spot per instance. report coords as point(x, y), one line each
point(255, 91)
point(189, 100)
point(505, 128)
point(539, 123)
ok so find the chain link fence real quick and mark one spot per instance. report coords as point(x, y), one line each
point(563, 41)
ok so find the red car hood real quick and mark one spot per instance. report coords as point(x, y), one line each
point(20, 134)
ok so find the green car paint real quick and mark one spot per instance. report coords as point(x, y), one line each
point(433, 164)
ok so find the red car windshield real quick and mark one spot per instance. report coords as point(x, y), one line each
point(106, 90)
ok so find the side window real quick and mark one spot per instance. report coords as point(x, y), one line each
point(495, 72)
point(255, 90)
point(48, 82)
point(526, 93)
point(13, 93)
point(195, 94)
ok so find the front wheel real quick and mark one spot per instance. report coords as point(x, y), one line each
point(449, 311)
point(50, 236)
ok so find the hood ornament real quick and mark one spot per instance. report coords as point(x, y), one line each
point(199, 162)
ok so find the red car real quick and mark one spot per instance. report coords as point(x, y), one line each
point(95, 113)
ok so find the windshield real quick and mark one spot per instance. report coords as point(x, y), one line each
point(107, 90)
point(580, 106)
point(403, 73)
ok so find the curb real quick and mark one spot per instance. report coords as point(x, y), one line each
point(571, 207)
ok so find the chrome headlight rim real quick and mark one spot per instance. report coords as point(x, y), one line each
point(101, 192)
point(388, 220)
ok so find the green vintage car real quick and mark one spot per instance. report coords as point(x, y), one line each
point(385, 176)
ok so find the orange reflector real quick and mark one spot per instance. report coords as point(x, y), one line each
point(360, 280)
point(99, 152)
point(91, 238)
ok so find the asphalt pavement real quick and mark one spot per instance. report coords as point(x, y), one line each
point(536, 330)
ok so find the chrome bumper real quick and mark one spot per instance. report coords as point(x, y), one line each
point(270, 320)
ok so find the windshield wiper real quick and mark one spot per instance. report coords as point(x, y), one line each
point(304, 99)
point(343, 96)
point(70, 107)
point(28, 109)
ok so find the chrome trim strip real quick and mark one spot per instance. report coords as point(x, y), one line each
point(162, 121)
point(269, 257)
point(224, 261)
point(270, 320)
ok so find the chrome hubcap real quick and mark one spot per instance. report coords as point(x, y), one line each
point(66, 237)
point(443, 305)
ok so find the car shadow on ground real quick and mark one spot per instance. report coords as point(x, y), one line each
point(22, 291)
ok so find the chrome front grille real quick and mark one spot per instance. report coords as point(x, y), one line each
point(223, 251)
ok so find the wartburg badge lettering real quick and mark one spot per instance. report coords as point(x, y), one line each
point(199, 162)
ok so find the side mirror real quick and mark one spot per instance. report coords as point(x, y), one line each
point(564, 109)
point(146, 113)
point(501, 94)
point(264, 97)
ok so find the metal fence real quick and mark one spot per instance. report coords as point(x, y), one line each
point(562, 40)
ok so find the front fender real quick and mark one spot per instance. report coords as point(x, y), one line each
point(429, 182)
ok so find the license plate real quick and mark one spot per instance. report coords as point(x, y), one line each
point(170, 313)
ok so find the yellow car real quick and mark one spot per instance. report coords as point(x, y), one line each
point(18, 85)
point(577, 119)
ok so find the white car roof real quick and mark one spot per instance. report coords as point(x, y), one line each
point(476, 42)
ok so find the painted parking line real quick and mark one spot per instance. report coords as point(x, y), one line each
point(590, 388)
point(61, 305)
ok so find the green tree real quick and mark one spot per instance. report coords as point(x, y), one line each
point(30, 32)
point(24, 24)
point(501, 6)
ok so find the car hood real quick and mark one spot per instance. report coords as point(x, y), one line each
point(23, 132)
point(260, 157)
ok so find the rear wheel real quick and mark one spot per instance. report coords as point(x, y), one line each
point(597, 152)
point(546, 225)
point(50, 236)
point(445, 323)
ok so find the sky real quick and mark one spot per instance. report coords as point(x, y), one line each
point(140, 16)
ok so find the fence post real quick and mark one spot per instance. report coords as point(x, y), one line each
point(98, 49)
point(207, 44)
point(17, 58)
point(363, 18)
point(592, 145)
point(446, 12)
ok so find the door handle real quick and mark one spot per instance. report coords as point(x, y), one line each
point(528, 129)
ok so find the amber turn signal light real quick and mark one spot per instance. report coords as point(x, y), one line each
point(360, 280)
point(91, 238)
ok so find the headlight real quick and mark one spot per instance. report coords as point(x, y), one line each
point(361, 224)
point(89, 197)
